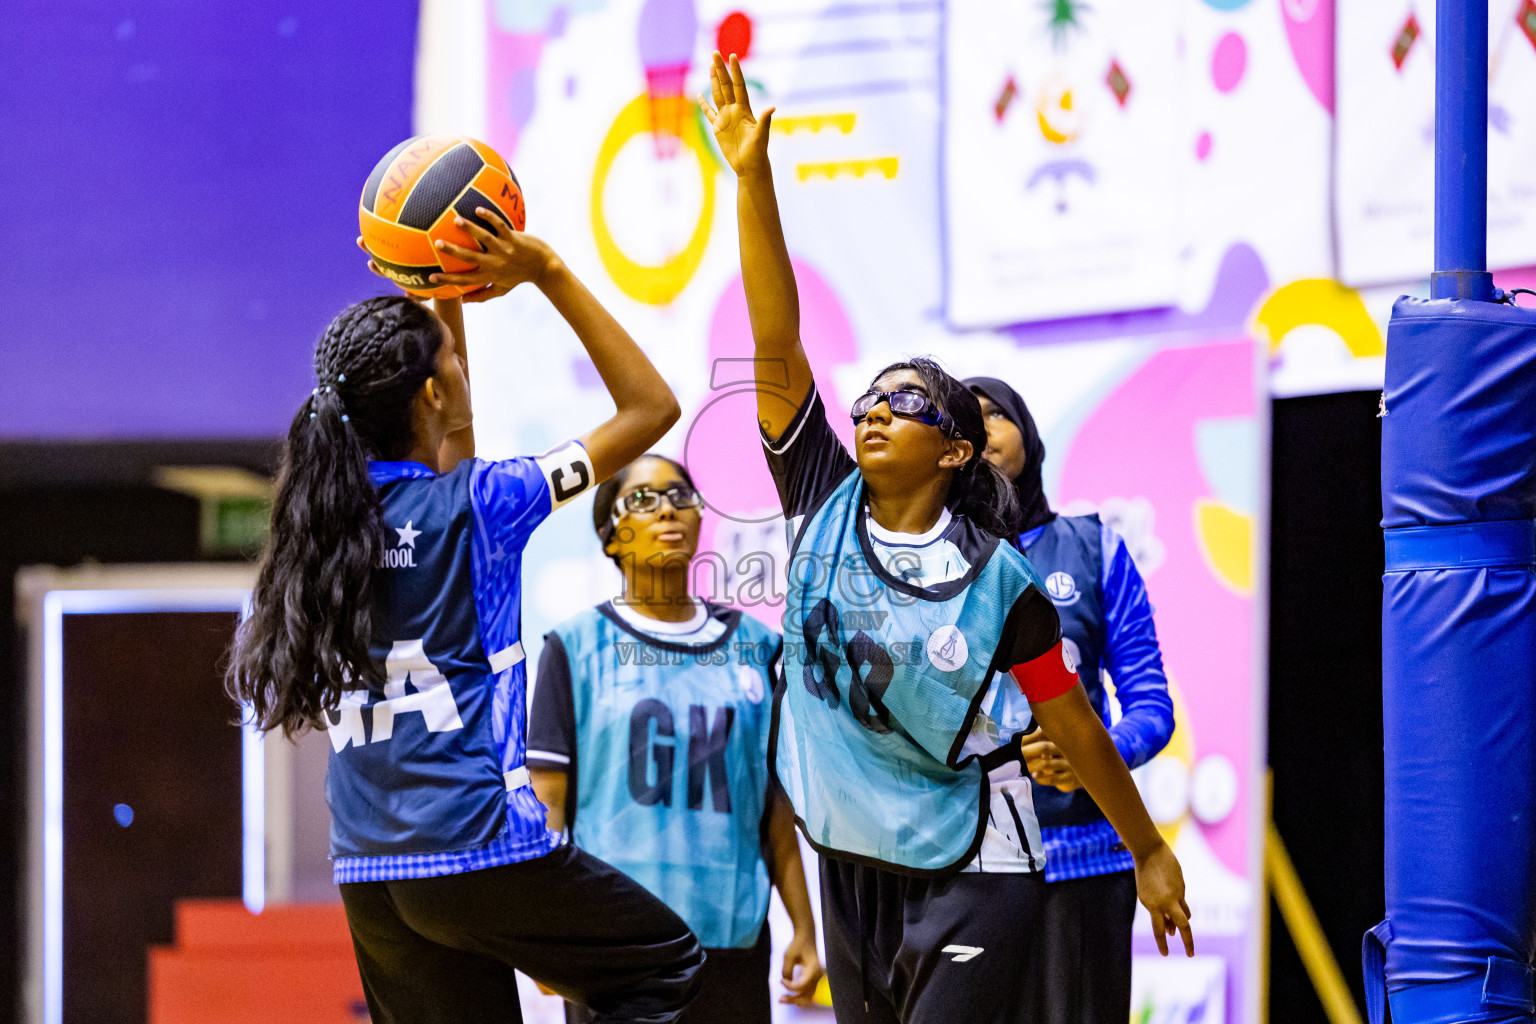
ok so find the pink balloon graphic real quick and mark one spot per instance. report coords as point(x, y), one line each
point(1203, 146)
point(1141, 441)
point(1229, 61)
point(723, 446)
point(1309, 28)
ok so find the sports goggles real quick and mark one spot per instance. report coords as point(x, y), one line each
point(912, 405)
point(643, 499)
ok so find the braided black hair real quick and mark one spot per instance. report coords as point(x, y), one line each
point(307, 637)
point(978, 489)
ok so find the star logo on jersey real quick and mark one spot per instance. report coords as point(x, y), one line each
point(947, 648)
point(1062, 588)
point(964, 953)
point(403, 554)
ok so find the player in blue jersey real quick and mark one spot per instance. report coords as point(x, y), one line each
point(904, 606)
point(1090, 896)
point(386, 612)
point(648, 740)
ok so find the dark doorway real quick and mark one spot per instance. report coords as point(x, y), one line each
point(1325, 680)
point(151, 795)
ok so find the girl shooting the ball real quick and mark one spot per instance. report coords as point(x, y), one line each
point(904, 607)
point(386, 612)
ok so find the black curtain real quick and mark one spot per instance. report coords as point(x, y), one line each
point(1325, 739)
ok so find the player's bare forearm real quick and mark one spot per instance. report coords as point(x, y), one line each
point(549, 785)
point(1069, 720)
point(773, 302)
point(451, 313)
point(785, 866)
point(460, 444)
point(802, 968)
point(645, 405)
point(773, 299)
point(1073, 726)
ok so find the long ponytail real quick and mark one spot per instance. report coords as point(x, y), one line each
point(982, 493)
point(307, 638)
point(978, 490)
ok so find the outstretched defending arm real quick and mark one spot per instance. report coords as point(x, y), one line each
point(773, 302)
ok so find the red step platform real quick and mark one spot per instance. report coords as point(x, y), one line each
point(229, 966)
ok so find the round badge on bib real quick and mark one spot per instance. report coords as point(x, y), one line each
point(947, 648)
point(751, 683)
point(1061, 588)
point(1070, 655)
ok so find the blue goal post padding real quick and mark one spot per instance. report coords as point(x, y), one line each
point(1458, 495)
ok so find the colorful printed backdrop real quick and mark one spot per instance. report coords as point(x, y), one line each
point(1150, 400)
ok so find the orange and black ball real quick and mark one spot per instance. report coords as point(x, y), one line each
point(412, 197)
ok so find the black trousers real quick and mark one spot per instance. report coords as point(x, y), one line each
point(442, 950)
point(904, 950)
point(1086, 949)
point(733, 988)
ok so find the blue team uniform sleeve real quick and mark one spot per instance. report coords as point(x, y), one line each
point(509, 500)
point(1133, 659)
point(512, 497)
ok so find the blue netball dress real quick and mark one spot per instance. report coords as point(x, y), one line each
point(1105, 614)
point(664, 738)
point(426, 772)
point(886, 666)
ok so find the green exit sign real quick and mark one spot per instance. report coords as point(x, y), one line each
point(234, 524)
point(236, 505)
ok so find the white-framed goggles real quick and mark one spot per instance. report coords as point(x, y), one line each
point(644, 499)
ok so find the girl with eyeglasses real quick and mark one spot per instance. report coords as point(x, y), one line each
point(648, 742)
point(905, 608)
point(386, 612)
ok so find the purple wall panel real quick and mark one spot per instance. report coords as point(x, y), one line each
point(181, 184)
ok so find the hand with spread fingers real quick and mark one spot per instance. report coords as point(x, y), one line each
point(506, 259)
point(743, 138)
point(510, 258)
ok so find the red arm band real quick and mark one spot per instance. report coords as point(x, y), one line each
point(1049, 675)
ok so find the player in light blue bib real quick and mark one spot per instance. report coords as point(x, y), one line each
point(648, 741)
point(904, 607)
point(387, 612)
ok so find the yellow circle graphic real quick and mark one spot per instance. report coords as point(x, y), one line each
point(653, 285)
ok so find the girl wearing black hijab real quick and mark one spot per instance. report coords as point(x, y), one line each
point(1106, 624)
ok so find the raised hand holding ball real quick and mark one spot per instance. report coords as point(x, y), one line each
point(422, 193)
